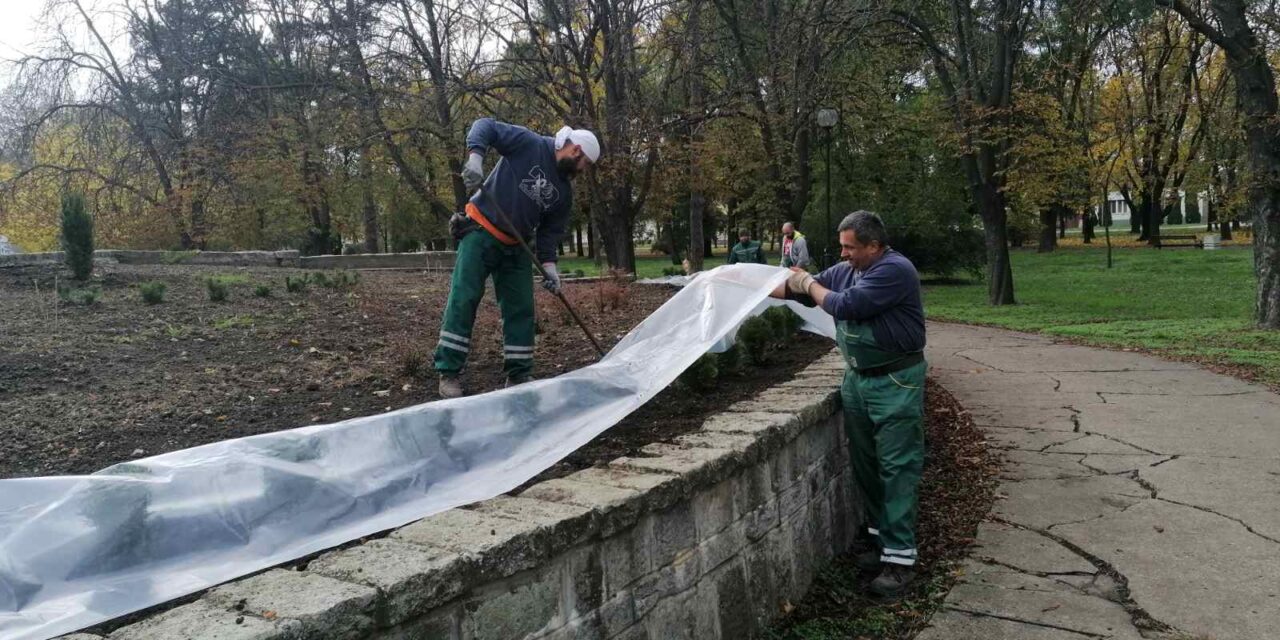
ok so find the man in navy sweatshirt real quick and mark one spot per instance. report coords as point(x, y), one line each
point(874, 296)
point(531, 184)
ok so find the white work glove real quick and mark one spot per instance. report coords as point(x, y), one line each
point(799, 282)
point(473, 172)
point(552, 281)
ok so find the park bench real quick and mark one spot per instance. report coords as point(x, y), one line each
point(1178, 241)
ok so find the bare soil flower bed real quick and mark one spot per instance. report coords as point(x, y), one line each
point(84, 386)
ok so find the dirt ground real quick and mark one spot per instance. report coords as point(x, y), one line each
point(83, 387)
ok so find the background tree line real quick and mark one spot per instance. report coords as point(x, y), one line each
point(971, 125)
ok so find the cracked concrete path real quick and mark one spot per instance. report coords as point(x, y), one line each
point(1140, 497)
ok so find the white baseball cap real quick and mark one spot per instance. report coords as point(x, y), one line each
point(581, 137)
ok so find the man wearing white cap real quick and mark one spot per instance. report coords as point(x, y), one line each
point(531, 183)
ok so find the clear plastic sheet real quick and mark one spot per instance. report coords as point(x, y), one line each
point(79, 550)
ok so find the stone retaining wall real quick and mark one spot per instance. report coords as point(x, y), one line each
point(709, 537)
point(126, 256)
point(441, 260)
point(431, 260)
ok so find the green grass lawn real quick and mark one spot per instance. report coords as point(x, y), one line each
point(647, 266)
point(1185, 303)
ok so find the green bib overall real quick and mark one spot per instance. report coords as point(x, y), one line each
point(884, 421)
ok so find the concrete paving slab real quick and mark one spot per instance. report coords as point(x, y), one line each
point(1155, 484)
point(1027, 550)
point(1193, 382)
point(1197, 571)
point(1064, 358)
point(1039, 601)
point(1048, 503)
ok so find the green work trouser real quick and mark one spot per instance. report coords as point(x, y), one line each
point(884, 419)
point(480, 255)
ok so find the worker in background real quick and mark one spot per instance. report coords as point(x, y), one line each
point(746, 250)
point(532, 184)
point(795, 249)
point(874, 296)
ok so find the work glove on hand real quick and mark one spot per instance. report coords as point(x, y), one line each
point(473, 172)
point(799, 281)
point(552, 281)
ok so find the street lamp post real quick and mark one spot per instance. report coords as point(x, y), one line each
point(827, 119)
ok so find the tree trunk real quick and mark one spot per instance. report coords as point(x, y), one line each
point(577, 239)
point(1048, 230)
point(995, 229)
point(370, 205)
point(591, 240)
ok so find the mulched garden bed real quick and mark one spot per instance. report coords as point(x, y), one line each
point(956, 492)
point(84, 387)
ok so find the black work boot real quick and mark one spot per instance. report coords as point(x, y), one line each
point(867, 558)
point(893, 580)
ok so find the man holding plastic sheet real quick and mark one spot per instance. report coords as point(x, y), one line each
point(874, 296)
point(532, 185)
point(746, 251)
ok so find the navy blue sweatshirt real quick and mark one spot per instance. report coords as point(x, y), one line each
point(886, 295)
point(525, 182)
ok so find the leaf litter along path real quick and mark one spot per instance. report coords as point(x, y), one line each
point(82, 388)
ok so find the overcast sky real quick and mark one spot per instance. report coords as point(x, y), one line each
point(16, 26)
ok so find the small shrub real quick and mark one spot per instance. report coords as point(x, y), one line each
point(702, 374)
point(579, 273)
point(321, 280)
point(83, 297)
point(609, 295)
point(672, 271)
point(295, 285)
point(77, 236)
point(217, 290)
point(177, 257)
point(755, 336)
point(730, 361)
point(784, 322)
point(152, 292)
point(262, 291)
point(230, 279)
point(231, 322)
point(349, 278)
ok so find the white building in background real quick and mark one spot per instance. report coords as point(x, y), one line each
point(6, 248)
point(1120, 209)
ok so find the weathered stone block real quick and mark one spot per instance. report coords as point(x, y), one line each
point(617, 614)
point(713, 508)
point(675, 618)
point(562, 525)
point(758, 522)
point(615, 507)
point(498, 545)
point(203, 620)
point(411, 579)
point(327, 608)
point(722, 547)
point(515, 609)
point(700, 466)
point(627, 556)
point(584, 577)
point(733, 606)
point(442, 624)
point(660, 490)
point(762, 597)
point(746, 446)
point(763, 425)
point(674, 532)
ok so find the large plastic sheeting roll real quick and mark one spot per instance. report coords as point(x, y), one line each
point(79, 550)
